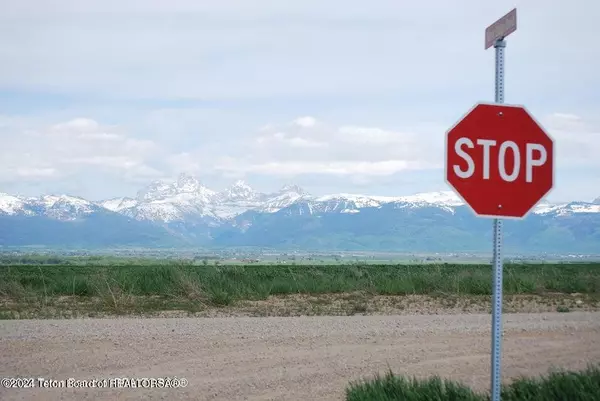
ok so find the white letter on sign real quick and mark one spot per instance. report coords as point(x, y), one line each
point(486, 143)
point(530, 161)
point(502, 157)
point(461, 153)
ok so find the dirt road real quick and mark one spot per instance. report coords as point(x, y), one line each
point(287, 358)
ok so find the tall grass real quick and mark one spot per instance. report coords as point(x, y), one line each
point(225, 284)
point(562, 385)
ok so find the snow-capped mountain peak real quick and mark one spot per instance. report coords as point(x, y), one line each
point(292, 188)
point(166, 201)
point(155, 190)
point(596, 201)
point(240, 184)
point(10, 204)
point(189, 184)
point(57, 200)
point(186, 188)
point(239, 191)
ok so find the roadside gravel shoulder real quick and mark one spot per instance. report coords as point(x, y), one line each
point(284, 358)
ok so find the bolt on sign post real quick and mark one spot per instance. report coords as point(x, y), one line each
point(500, 161)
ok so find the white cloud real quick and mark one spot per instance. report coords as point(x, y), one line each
point(34, 173)
point(381, 168)
point(78, 125)
point(184, 162)
point(305, 121)
point(297, 142)
point(565, 123)
point(288, 140)
point(576, 142)
point(374, 136)
point(295, 149)
point(37, 151)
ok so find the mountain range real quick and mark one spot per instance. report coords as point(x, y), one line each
point(185, 213)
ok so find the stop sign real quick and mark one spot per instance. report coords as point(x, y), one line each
point(499, 160)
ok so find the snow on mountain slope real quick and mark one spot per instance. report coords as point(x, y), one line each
point(235, 200)
point(64, 207)
point(567, 208)
point(445, 198)
point(81, 204)
point(359, 201)
point(175, 208)
point(350, 203)
point(239, 191)
point(164, 212)
point(11, 204)
point(286, 196)
point(440, 198)
point(61, 207)
point(229, 211)
point(118, 204)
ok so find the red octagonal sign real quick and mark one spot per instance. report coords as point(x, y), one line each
point(499, 160)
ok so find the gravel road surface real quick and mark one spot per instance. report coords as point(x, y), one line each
point(282, 358)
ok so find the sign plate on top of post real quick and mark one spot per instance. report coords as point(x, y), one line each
point(501, 28)
point(499, 160)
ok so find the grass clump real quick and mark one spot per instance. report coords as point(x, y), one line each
point(221, 298)
point(558, 385)
point(398, 388)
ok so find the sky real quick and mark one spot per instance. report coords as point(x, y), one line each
point(100, 98)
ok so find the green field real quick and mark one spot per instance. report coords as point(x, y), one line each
point(261, 281)
point(559, 385)
point(185, 285)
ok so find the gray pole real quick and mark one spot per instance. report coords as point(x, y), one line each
point(497, 296)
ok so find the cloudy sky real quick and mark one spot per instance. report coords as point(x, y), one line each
point(98, 98)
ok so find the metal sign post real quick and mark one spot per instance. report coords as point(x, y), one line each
point(496, 33)
point(497, 285)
